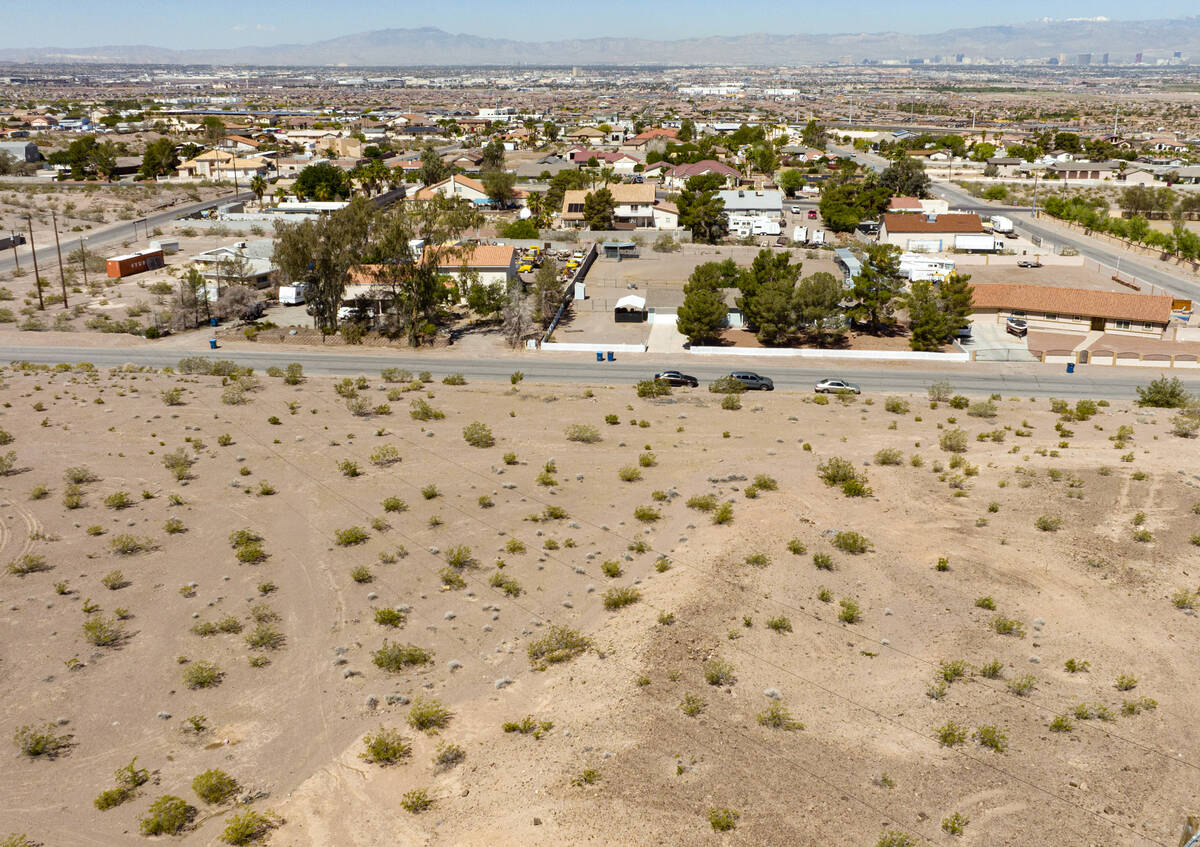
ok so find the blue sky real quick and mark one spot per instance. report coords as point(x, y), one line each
point(229, 23)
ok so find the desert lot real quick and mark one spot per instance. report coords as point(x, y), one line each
point(753, 673)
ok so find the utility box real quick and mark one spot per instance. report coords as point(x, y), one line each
point(581, 290)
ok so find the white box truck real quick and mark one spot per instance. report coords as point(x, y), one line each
point(291, 295)
point(985, 243)
point(1001, 224)
point(800, 234)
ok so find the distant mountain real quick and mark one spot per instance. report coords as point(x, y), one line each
point(431, 47)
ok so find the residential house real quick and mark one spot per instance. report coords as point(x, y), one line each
point(926, 205)
point(677, 176)
point(747, 201)
point(1007, 166)
point(43, 122)
point(1073, 310)
point(492, 264)
point(219, 165)
point(241, 263)
point(932, 154)
point(457, 185)
point(622, 163)
point(584, 133)
point(927, 233)
point(637, 207)
point(651, 139)
point(239, 144)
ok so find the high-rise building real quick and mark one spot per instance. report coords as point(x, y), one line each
point(1084, 59)
point(1137, 60)
point(1062, 58)
point(1104, 59)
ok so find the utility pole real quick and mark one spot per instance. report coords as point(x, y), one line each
point(16, 256)
point(37, 280)
point(83, 258)
point(1035, 182)
point(62, 277)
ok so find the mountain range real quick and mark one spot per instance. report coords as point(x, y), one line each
point(434, 47)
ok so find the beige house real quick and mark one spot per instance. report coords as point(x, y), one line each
point(1073, 310)
point(218, 165)
point(636, 207)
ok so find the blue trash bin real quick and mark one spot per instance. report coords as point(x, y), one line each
point(599, 356)
point(1070, 367)
point(212, 344)
point(610, 356)
point(212, 321)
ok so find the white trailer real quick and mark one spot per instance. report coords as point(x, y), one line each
point(818, 237)
point(291, 295)
point(920, 267)
point(744, 225)
point(799, 234)
point(1002, 224)
point(978, 243)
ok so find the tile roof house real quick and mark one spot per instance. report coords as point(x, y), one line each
point(457, 185)
point(637, 207)
point(1076, 310)
point(493, 263)
point(678, 175)
point(651, 139)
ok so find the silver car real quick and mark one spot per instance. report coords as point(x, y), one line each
point(833, 386)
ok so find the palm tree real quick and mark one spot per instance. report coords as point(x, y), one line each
point(259, 186)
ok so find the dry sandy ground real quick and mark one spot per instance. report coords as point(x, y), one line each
point(291, 731)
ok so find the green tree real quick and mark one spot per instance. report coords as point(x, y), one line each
point(814, 135)
point(259, 186)
point(213, 129)
point(485, 300)
point(905, 177)
point(493, 156)
point(433, 169)
point(768, 298)
point(321, 252)
point(877, 288)
point(550, 128)
point(500, 187)
point(819, 305)
point(983, 151)
point(687, 130)
point(927, 325)
point(764, 158)
point(562, 182)
point(523, 229)
point(322, 181)
point(598, 208)
point(546, 294)
point(158, 159)
point(703, 314)
point(701, 209)
point(790, 181)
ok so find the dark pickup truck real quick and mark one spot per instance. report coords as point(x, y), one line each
point(14, 240)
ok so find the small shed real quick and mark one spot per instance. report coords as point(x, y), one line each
point(630, 309)
point(619, 249)
point(850, 264)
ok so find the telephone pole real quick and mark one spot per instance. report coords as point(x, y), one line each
point(62, 277)
point(83, 258)
point(16, 256)
point(37, 280)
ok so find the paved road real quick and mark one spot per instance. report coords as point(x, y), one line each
point(1025, 381)
point(122, 231)
point(1147, 271)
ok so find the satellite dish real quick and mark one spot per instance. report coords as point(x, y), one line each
point(525, 214)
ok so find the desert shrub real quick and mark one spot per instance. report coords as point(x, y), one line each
point(629, 473)
point(529, 726)
point(428, 714)
point(478, 434)
point(619, 597)
point(1061, 723)
point(953, 441)
point(397, 657)
point(385, 746)
point(396, 375)
point(1008, 626)
point(103, 632)
point(168, 815)
point(416, 801)
point(703, 502)
point(718, 672)
point(731, 402)
point(385, 455)
point(796, 547)
point(250, 554)
point(985, 603)
point(836, 471)
point(991, 737)
point(780, 624)
point(758, 560)
point(959, 402)
point(722, 820)
point(823, 561)
point(647, 459)
point(390, 617)
point(454, 379)
point(726, 385)
point(505, 583)
point(611, 568)
point(1163, 393)
point(851, 542)
point(394, 504)
point(647, 514)
point(1126, 682)
point(850, 611)
point(889, 456)
point(420, 410)
point(653, 388)
point(559, 644)
point(583, 433)
point(941, 391)
point(982, 409)
point(692, 705)
point(955, 824)
point(430, 491)
point(114, 580)
point(1049, 523)
point(1023, 685)
point(951, 734)
point(202, 675)
point(350, 536)
point(118, 500)
point(38, 741)
point(247, 827)
point(28, 563)
point(214, 786)
point(265, 636)
point(174, 526)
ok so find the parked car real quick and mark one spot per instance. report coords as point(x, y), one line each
point(812, 214)
point(677, 378)
point(752, 381)
point(833, 385)
point(796, 210)
point(1017, 327)
point(1028, 263)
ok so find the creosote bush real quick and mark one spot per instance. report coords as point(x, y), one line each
point(619, 597)
point(559, 644)
point(246, 828)
point(583, 433)
point(168, 815)
point(428, 714)
point(398, 657)
point(385, 746)
point(40, 741)
point(215, 786)
point(478, 434)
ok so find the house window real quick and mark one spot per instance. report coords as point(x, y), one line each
point(1017, 313)
point(1050, 316)
point(1121, 324)
point(574, 208)
point(1147, 326)
point(1076, 317)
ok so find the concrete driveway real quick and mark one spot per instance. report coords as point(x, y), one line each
point(991, 343)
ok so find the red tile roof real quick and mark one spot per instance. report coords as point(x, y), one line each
point(1047, 299)
point(942, 223)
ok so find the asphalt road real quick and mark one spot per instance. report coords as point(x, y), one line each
point(1029, 381)
point(122, 231)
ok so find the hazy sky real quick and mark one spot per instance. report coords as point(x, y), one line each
point(231, 23)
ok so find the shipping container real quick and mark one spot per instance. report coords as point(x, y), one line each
point(134, 263)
